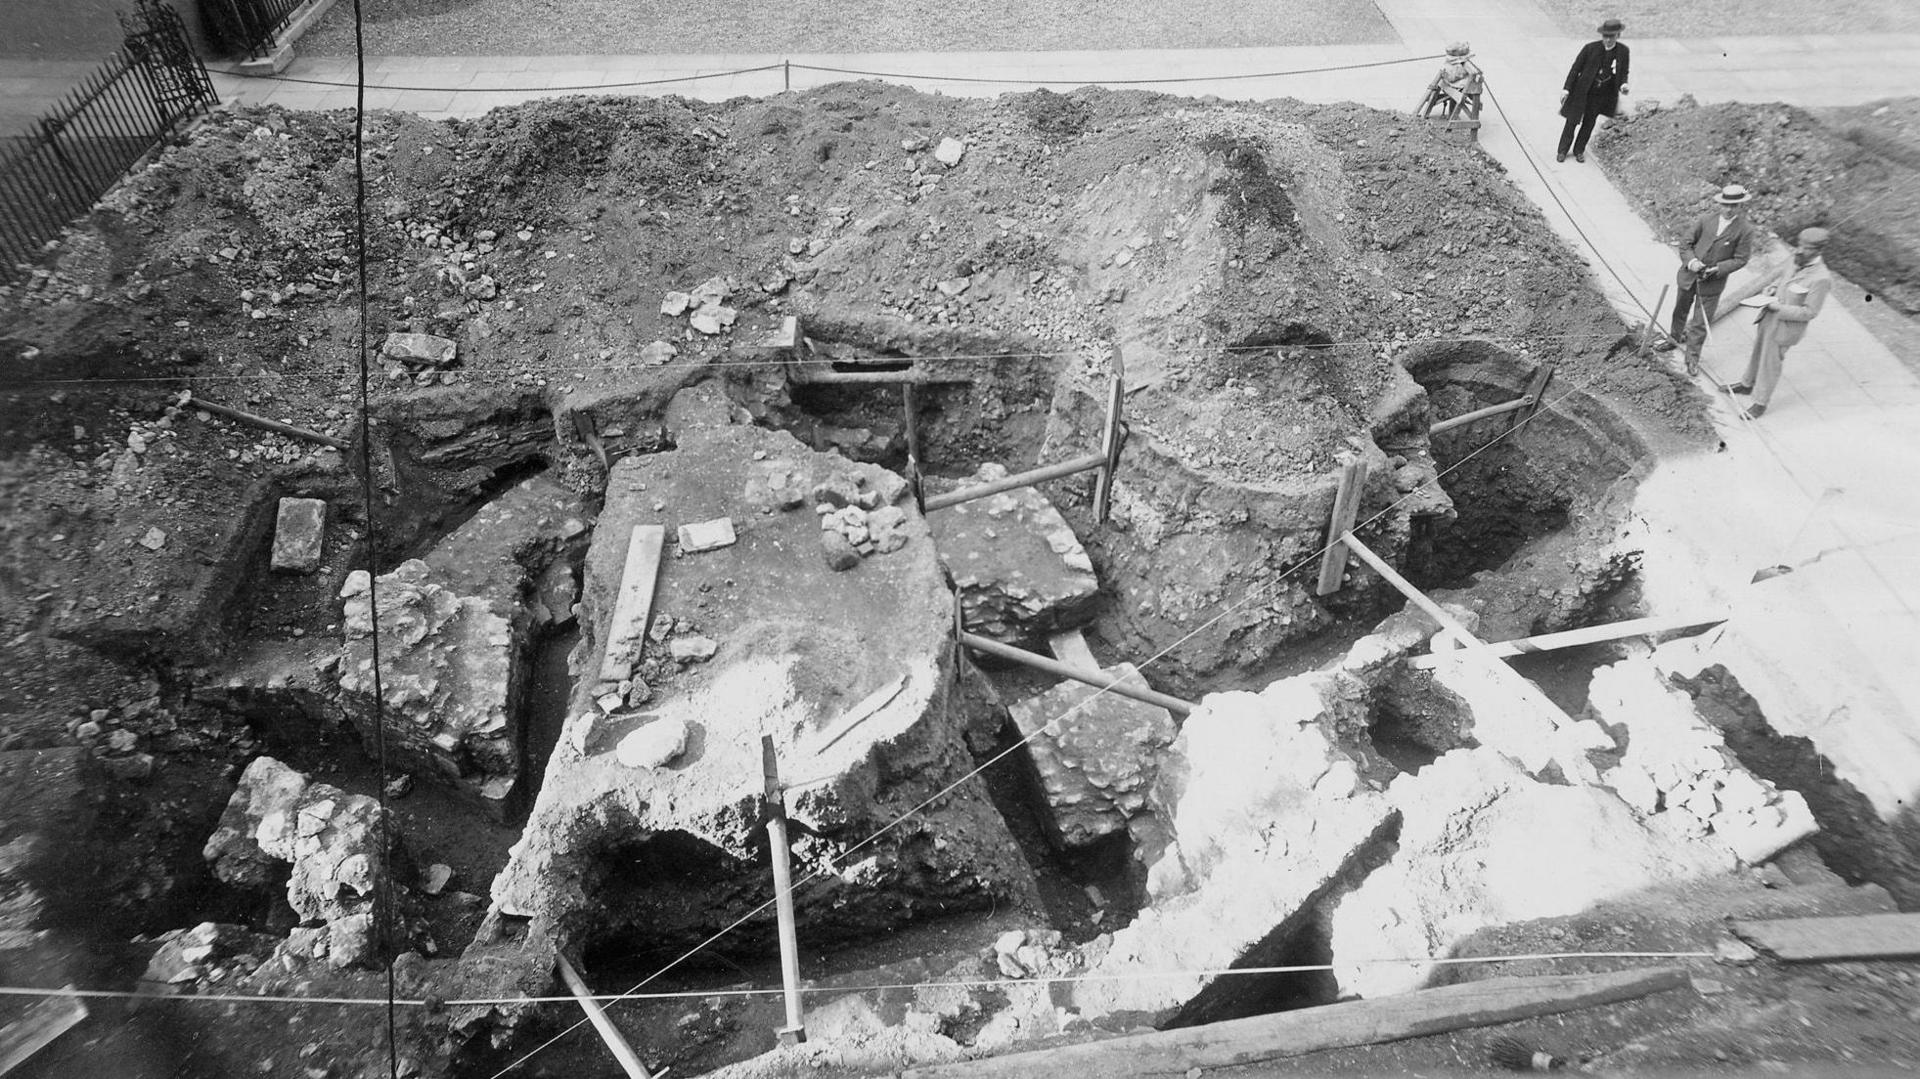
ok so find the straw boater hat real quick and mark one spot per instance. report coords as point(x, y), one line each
point(1732, 195)
point(1612, 26)
point(1815, 237)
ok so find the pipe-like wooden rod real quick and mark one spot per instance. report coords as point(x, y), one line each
point(1414, 595)
point(795, 1031)
point(266, 424)
point(616, 1041)
point(1572, 638)
point(1479, 414)
point(1082, 463)
point(1092, 678)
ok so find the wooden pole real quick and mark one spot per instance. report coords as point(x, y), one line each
point(616, 1041)
point(1083, 463)
point(1653, 318)
point(1536, 393)
point(1572, 638)
point(795, 1032)
point(265, 424)
point(1092, 678)
point(911, 406)
point(1414, 596)
point(1478, 414)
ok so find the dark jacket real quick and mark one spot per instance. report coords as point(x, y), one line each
point(1723, 254)
point(1598, 72)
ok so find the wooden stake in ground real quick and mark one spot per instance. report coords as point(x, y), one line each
point(1346, 508)
point(616, 1041)
point(1308, 1030)
point(795, 1031)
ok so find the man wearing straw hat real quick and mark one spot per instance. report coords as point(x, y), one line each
point(1719, 244)
point(1796, 297)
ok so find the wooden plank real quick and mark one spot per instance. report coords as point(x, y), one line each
point(45, 1020)
point(1069, 646)
point(1536, 393)
point(1813, 940)
point(1547, 642)
point(1111, 439)
point(1346, 509)
point(1308, 1030)
point(627, 629)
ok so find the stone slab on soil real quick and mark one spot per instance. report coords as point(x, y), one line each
point(797, 644)
point(1095, 753)
point(299, 534)
point(1482, 843)
point(1021, 571)
point(1258, 813)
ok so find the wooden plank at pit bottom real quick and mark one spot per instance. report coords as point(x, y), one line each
point(1813, 940)
point(1360, 1022)
point(45, 1020)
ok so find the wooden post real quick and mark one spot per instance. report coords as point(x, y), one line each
point(795, 1032)
point(1346, 508)
point(1653, 318)
point(1536, 393)
point(1111, 439)
point(914, 455)
point(616, 1041)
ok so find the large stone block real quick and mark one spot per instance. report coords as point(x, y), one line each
point(299, 535)
point(1095, 754)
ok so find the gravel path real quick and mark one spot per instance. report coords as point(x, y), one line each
point(1736, 18)
point(623, 27)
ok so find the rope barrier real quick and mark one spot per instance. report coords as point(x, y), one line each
point(788, 65)
point(832, 990)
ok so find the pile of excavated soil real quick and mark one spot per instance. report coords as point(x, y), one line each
point(1855, 171)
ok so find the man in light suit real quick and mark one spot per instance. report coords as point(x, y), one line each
point(1798, 295)
point(1719, 244)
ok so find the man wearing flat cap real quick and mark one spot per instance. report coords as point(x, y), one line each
point(1720, 243)
point(1797, 296)
point(1594, 84)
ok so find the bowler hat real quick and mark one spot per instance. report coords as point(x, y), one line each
point(1459, 48)
point(1732, 195)
point(1814, 237)
point(1612, 26)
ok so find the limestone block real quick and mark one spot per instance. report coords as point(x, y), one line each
point(1021, 571)
point(654, 745)
point(1094, 752)
point(420, 349)
point(299, 535)
point(707, 535)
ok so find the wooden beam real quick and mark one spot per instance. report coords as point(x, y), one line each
point(1069, 646)
point(1536, 393)
point(1111, 439)
point(1478, 414)
point(1414, 596)
point(616, 1041)
point(1309, 1030)
point(627, 629)
point(1092, 678)
point(1083, 463)
point(44, 1020)
point(1814, 940)
point(266, 424)
point(795, 1032)
point(1572, 638)
point(1346, 509)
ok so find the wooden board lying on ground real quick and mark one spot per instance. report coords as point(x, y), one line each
point(633, 606)
point(1860, 936)
point(44, 1020)
point(1336, 1026)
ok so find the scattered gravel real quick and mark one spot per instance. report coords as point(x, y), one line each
point(616, 27)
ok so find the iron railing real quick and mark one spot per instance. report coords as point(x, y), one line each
point(146, 92)
point(247, 26)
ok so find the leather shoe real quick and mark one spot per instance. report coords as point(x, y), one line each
point(1582, 158)
point(1667, 344)
point(1740, 387)
point(1754, 412)
point(1559, 157)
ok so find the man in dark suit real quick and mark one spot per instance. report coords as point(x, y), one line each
point(1720, 243)
point(1594, 84)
